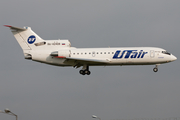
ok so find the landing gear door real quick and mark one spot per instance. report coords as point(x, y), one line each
point(152, 54)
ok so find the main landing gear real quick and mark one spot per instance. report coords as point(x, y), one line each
point(85, 70)
point(156, 68)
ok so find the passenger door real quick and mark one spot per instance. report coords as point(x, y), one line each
point(152, 54)
point(93, 53)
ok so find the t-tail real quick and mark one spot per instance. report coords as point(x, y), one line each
point(25, 37)
point(30, 41)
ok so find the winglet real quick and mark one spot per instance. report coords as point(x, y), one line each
point(15, 28)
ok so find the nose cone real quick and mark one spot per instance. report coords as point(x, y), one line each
point(173, 58)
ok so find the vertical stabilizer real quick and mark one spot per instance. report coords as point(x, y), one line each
point(25, 37)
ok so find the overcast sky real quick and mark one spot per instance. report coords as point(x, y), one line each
point(36, 91)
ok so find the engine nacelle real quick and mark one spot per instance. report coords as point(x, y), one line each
point(64, 53)
point(28, 56)
point(61, 53)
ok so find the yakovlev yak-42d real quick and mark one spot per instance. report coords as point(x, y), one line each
point(60, 53)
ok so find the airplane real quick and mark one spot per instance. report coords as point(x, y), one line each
point(60, 53)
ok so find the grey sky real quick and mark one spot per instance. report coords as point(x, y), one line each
point(37, 91)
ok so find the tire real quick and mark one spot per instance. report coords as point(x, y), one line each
point(88, 73)
point(155, 69)
point(82, 72)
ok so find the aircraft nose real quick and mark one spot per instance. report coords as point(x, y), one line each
point(173, 58)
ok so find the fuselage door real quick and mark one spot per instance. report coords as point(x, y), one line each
point(93, 54)
point(152, 54)
point(69, 53)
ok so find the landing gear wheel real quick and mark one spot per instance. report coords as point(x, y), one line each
point(155, 69)
point(85, 70)
point(82, 72)
point(88, 73)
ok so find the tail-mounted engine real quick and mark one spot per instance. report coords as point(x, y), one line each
point(28, 56)
point(61, 53)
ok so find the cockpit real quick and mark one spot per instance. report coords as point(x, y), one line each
point(165, 52)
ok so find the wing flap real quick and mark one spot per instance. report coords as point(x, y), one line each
point(97, 60)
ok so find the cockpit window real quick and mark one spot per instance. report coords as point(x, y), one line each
point(165, 52)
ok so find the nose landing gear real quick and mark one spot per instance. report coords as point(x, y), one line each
point(156, 68)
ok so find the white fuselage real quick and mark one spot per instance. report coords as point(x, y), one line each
point(60, 53)
point(113, 56)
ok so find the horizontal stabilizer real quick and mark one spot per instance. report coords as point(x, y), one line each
point(15, 28)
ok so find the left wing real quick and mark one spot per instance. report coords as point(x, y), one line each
point(78, 62)
point(97, 60)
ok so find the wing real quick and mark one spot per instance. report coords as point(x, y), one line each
point(87, 60)
point(78, 62)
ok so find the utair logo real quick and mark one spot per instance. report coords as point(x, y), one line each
point(129, 54)
point(31, 39)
